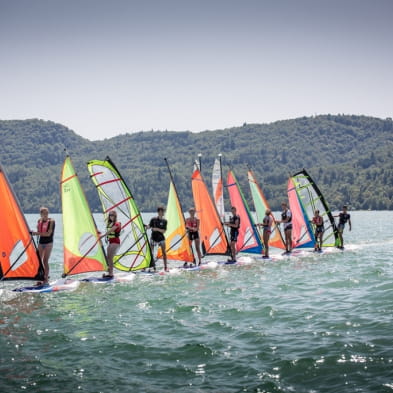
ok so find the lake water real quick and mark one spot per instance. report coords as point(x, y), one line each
point(314, 323)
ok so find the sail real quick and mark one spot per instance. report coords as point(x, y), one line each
point(312, 199)
point(19, 257)
point(134, 252)
point(83, 250)
point(261, 205)
point(211, 230)
point(176, 240)
point(249, 239)
point(218, 190)
point(302, 233)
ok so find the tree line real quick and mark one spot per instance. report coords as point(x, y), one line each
point(348, 156)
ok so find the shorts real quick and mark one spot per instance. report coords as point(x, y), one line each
point(319, 229)
point(193, 235)
point(160, 243)
point(266, 230)
point(234, 236)
point(44, 245)
point(288, 227)
point(340, 227)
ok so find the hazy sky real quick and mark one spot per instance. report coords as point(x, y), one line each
point(108, 67)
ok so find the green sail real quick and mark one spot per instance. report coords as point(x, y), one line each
point(83, 250)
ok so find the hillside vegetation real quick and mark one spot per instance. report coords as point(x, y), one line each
point(350, 158)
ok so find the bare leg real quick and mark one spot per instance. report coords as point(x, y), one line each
point(164, 256)
point(233, 250)
point(340, 236)
point(45, 251)
point(111, 251)
point(198, 250)
point(153, 260)
point(266, 236)
point(288, 240)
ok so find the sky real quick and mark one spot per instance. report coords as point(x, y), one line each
point(104, 68)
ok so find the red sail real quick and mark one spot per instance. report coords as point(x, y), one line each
point(18, 254)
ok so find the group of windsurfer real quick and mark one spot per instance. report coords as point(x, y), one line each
point(317, 222)
point(158, 225)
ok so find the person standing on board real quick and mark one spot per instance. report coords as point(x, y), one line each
point(286, 219)
point(192, 226)
point(267, 223)
point(343, 218)
point(158, 227)
point(113, 229)
point(317, 221)
point(234, 224)
point(46, 231)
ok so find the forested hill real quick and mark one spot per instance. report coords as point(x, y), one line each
point(350, 158)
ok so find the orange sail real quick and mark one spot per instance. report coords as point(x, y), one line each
point(212, 233)
point(19, 258)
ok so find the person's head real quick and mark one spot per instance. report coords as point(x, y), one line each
point(284, 205)
point(233, 210)
point(44, 211)
point(191, 210)
point(268, 212)
point(160, 210)
point(345, 208)
point(112, 216)
point(316, 212)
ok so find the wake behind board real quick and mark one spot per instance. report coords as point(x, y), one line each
point(210, 265)
point(119, 277)
point(109, 280)
point(99, 280)
point(150, 272)
point(240, 261)
point(56, 286)
point(267, 259)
